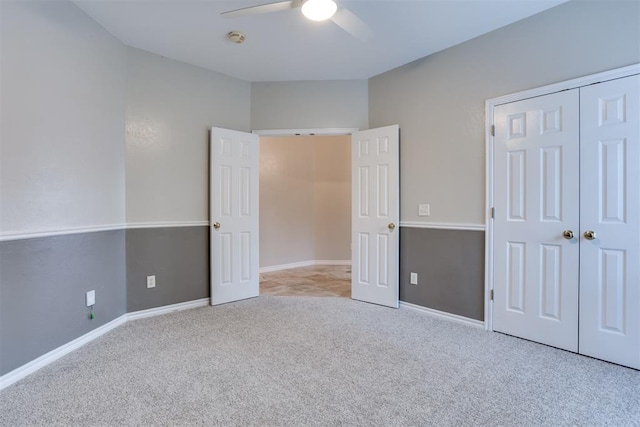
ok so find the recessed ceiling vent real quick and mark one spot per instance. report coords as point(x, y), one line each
point(236, 36)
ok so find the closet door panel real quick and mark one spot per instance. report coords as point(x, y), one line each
point(536, 201)
point(610, 221)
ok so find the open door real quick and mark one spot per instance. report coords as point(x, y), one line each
point(375, 237)
point(233, 212)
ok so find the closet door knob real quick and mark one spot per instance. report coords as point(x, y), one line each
point(216, 225)
point(391, 226)
point(567, 234)
point(590, 235)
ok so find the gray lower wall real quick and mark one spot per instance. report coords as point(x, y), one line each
point(177, 256)
point(450, 267)
point(43, 282)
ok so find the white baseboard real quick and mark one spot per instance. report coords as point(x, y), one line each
point(157, 311)
point(272, 268)
point(332, 262)
point(42, 361)
point(444, 315)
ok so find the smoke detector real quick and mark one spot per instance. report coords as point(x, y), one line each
point(236, 37)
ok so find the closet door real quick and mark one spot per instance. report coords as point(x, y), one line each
point(609, 218)
point(536, 219)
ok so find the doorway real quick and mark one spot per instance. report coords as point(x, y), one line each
point(305, 215)
point(235, 211)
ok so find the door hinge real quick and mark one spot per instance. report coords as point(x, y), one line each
point(491, 294)
point(493, 130)
point(493, 213)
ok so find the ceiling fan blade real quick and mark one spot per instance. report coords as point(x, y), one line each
point(262, 9)
point(353, 25)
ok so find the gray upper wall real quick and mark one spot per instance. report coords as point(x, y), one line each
point(63, 81)
point(78, 106)
point(438, 101)
point(309, 105)
point(170, 108)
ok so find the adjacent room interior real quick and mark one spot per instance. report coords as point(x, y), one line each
point(305, 215)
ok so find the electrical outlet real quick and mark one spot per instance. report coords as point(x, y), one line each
point(91, 298)
point(151, 281)
point(414, 278)
point(424, 209)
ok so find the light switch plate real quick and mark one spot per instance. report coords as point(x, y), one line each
point(424, 209)
point(151, 281)
point(91, 298)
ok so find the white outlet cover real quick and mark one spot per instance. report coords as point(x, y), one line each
point(424, 210)
point(91, 298)
point(151, 281)
point(414, 278)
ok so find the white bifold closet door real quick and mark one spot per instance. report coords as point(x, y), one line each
point(567, 220)
point(537, 164)
point(610, 209)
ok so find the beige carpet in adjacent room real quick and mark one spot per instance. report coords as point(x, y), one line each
point(313, 281)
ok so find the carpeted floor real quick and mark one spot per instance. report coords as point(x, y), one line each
point(301, 361)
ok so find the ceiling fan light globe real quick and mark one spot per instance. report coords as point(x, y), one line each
point(319, 10)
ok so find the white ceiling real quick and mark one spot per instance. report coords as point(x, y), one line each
point(285, 46)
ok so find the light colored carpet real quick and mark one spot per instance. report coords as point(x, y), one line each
point(300, 361)
point(313, 281)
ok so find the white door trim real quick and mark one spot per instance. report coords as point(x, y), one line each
point(489, 171)
point(306, 132)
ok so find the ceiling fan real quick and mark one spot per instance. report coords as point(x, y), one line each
point(315, 10)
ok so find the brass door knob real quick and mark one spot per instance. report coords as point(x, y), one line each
point(216, 225)
point(392, 226)
point(567, 234)
point(590, 235)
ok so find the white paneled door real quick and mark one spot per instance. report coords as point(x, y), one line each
point(536, 222)
point(610, 220)
point(375, 215)
point(567, 220)
point(233, 214)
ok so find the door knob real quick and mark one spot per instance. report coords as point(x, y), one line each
point(216, 225)
point(590, 235)
point(567, 234)
point(391, 226)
